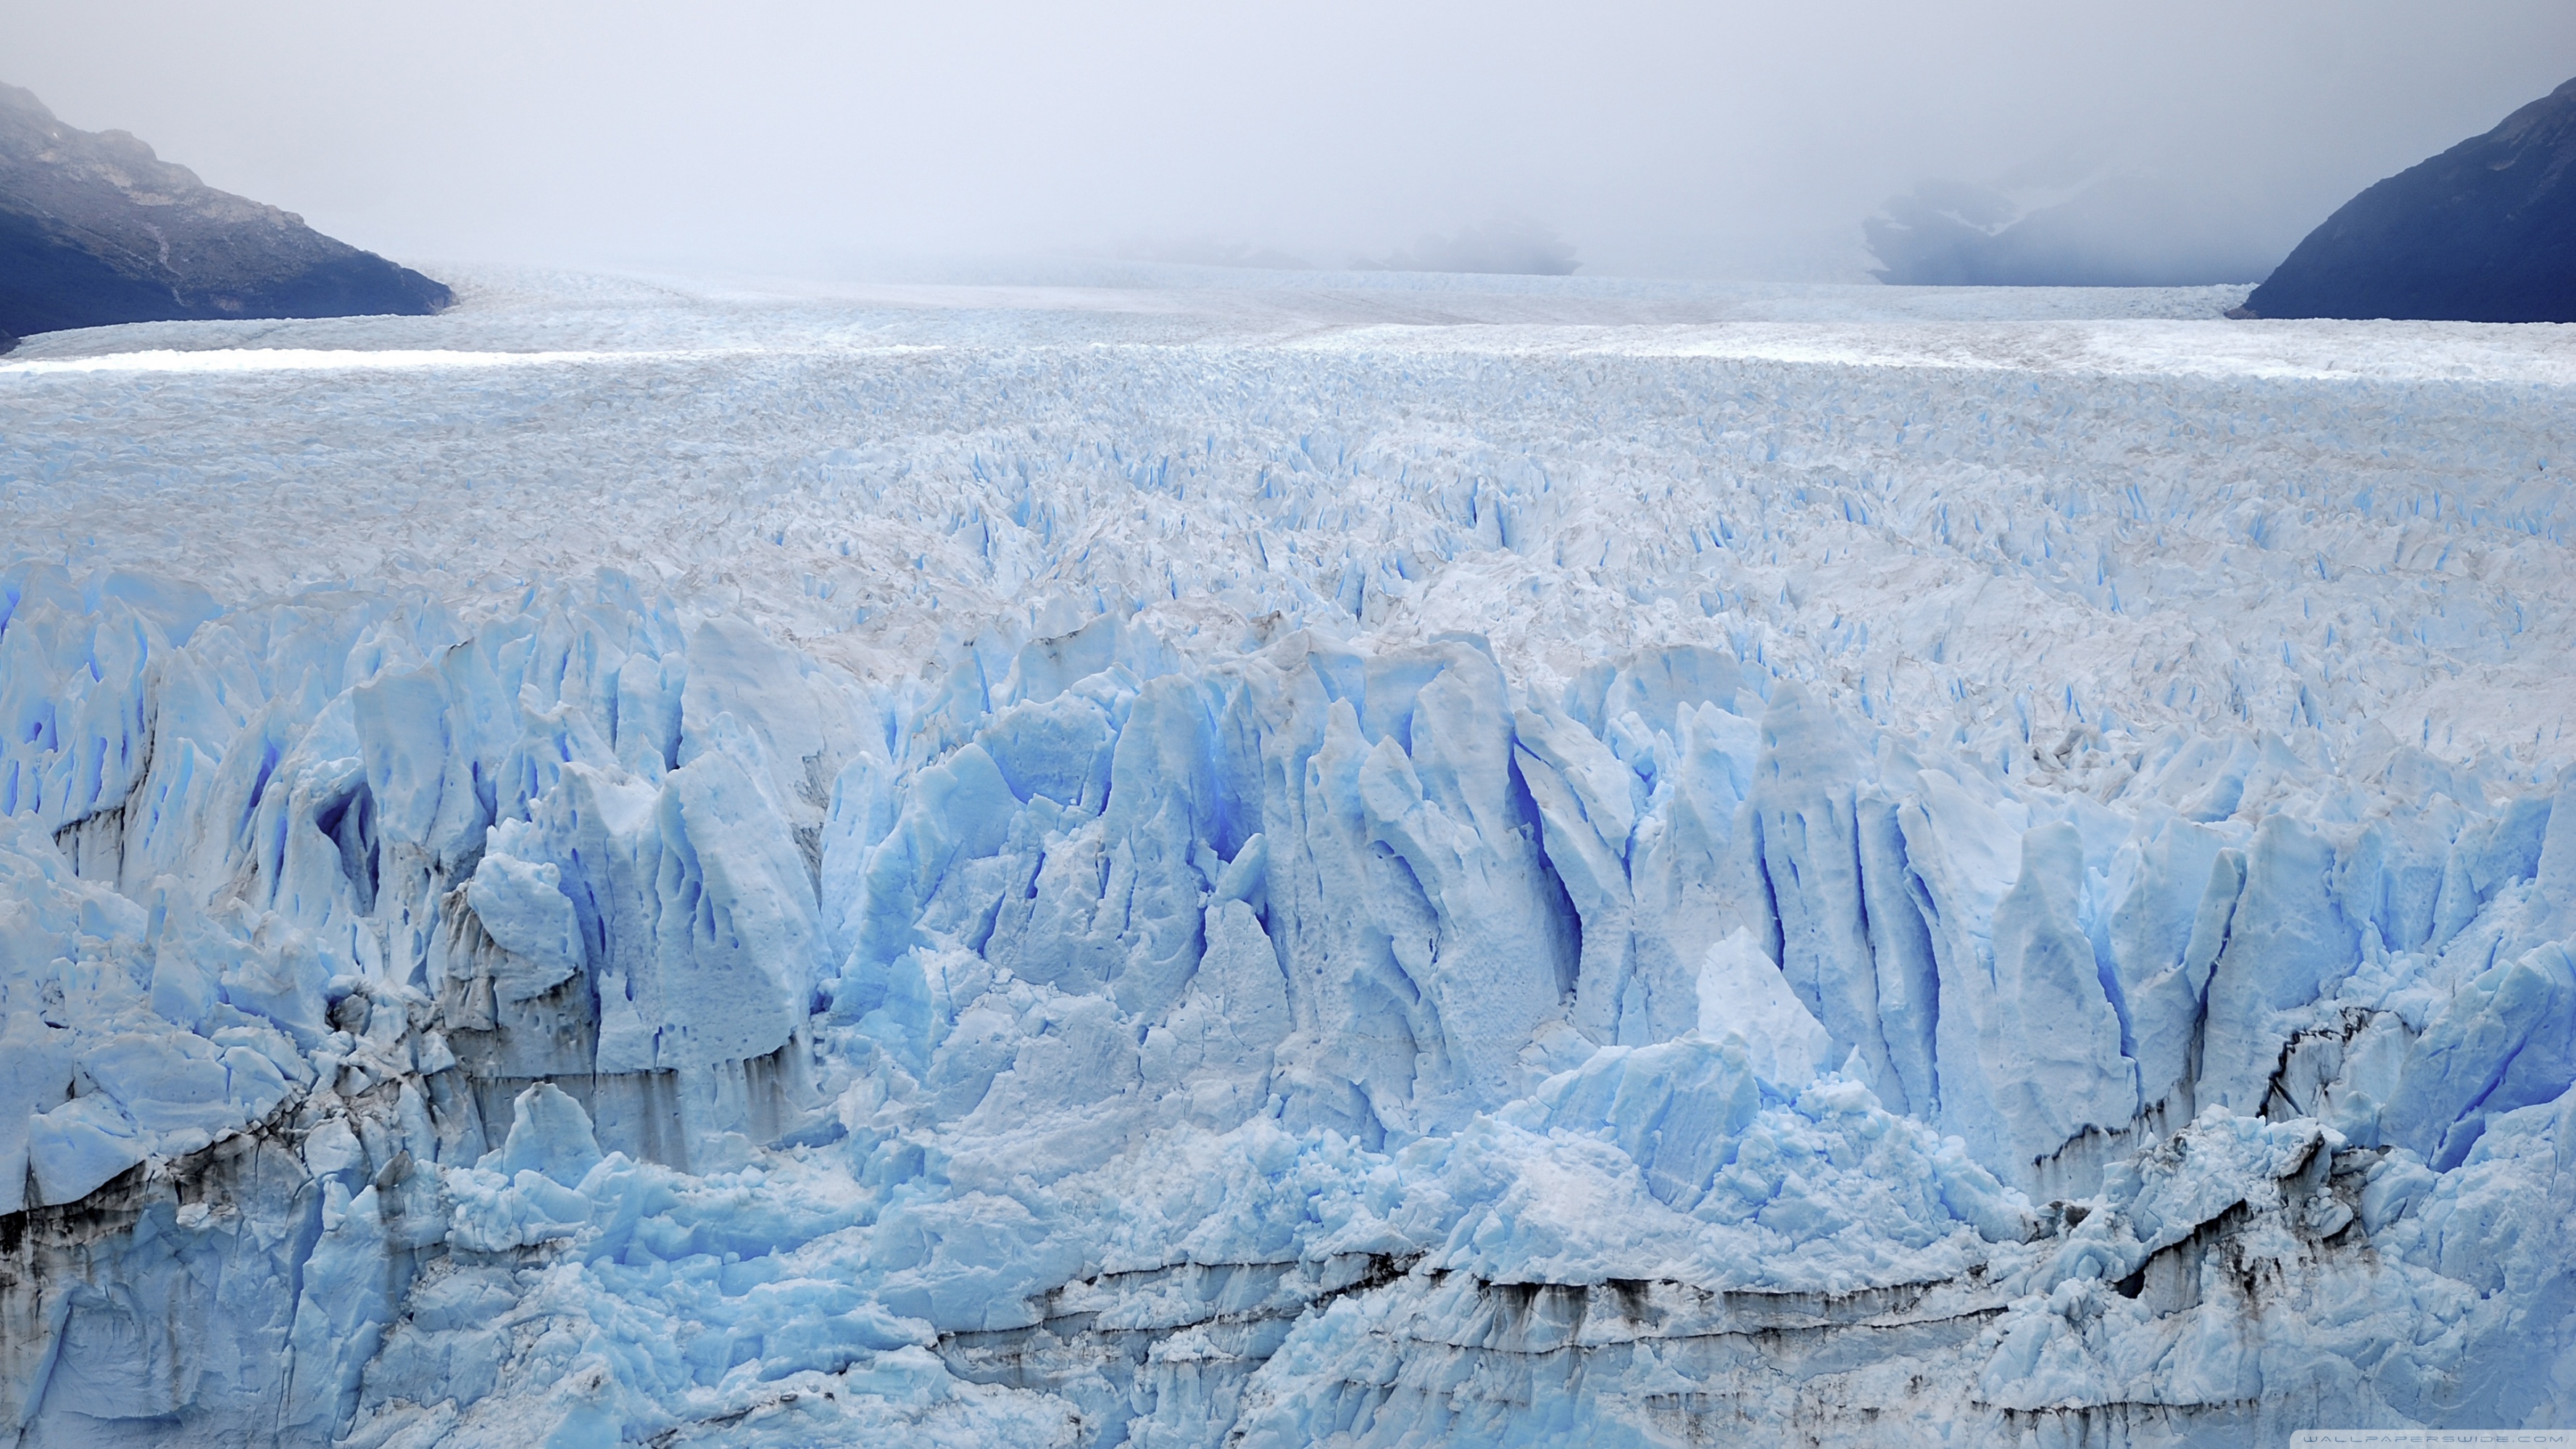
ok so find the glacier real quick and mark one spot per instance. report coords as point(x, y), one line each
point(1176, 858)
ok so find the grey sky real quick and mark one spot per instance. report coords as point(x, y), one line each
point(1658, 139)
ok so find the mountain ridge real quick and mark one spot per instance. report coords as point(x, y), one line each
point(97, 229)
point(2483, 232)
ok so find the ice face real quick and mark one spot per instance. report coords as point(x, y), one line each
point(1186, 867)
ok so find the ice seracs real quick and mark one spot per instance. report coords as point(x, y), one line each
point(1093, 886)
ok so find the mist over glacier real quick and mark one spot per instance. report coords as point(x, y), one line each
point(1285, 859)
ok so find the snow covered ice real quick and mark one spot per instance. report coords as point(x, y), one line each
point(1336, 860)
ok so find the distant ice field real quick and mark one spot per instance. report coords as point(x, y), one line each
point(2130, 470)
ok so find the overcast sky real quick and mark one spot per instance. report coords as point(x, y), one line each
point(1683, 139)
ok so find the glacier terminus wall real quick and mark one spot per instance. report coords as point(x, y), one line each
point(1356, 862)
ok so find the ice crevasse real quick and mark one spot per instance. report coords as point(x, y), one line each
point(594, 1013)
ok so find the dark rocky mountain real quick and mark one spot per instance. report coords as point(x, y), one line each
point(95, 229)
point(2484, 232)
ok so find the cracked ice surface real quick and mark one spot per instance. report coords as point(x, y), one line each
point(1280, 860)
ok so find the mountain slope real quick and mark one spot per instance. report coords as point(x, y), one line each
point(2484, 232)
point(95, 229)
point(2126, 229)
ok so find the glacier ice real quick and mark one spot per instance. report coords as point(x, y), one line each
point(1285, 863)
